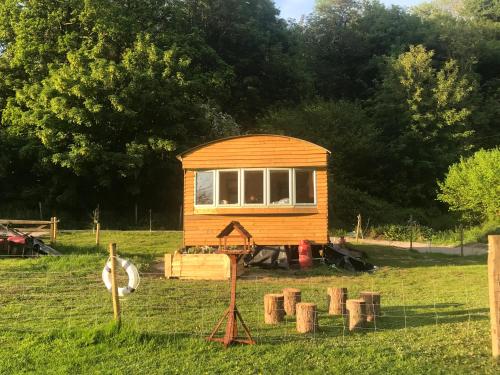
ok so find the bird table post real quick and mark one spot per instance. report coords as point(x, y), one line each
point(232, 313)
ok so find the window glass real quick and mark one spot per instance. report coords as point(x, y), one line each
point(228, 187)
point(279, 187)
point(205, 187)
point(304, 186)
point(254, 187)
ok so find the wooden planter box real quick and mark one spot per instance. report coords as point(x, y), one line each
point(198, 266)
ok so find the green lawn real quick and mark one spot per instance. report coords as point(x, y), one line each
point(56, 316)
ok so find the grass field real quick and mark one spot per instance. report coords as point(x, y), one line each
point(55, 316)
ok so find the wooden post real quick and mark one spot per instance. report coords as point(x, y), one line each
point(55, 229)
point(358, 227)
point(411, 231)
point(292, 296)
point(114, 287)
point(357, 313)
point(372, 300)
point(97, 233)
point(274, 308)
point(307, 317)
point(494, 292)
point(52, 229)
point(337, 298)
point(150, 222)
point(461, 240)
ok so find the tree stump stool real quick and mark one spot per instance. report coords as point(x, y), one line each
point(357, 313)
point(307, 317)
point(274, 309)
point(337, 298)
point(372, 300)
point(292, 297)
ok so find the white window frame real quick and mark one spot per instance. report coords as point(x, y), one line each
point(264, 187)
point(214, 173)
point(295, 187)
point(290, 190)
point(217, 179)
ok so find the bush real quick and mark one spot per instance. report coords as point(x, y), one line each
point(472, 186)
point(394, 232)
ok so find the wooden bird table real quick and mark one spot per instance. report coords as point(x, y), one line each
point(232, 313)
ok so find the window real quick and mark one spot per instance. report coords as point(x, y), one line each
point(228, 187)
point(304, 186)
point(253, 185)
point(204, 188)
point(279, 186)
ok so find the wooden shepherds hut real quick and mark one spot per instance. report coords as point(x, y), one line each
point(274, 185)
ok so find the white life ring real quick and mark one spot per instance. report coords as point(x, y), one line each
point(133, 276)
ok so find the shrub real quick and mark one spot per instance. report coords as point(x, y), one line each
point(472, 186)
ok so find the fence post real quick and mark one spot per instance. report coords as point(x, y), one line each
point(55, 228)
point(40, 208)
point(114, 287)
point(150, 222)
point(52, 222)
point(97, 233)
point(461, 240)
point(494, 292)
point(411, 231)
point(358, 227)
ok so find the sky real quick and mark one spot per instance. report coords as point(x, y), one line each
point(296, 8)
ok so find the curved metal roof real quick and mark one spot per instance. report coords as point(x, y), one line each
point(182, 154)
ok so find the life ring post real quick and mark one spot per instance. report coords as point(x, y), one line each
point(114, 286)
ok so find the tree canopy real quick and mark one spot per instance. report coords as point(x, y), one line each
point(472, 186)
point(98, 96)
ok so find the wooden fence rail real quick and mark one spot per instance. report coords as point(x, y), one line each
point(35, 226)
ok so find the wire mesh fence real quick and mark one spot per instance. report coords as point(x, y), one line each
point(40, 301)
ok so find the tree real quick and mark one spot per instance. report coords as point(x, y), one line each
point(259, 46)
point(423, 113)
point(486, 9)
point(346, 130)
point(472, 186)
point(98, 96)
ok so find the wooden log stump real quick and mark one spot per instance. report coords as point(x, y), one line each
point(307, 317)
point(357, 313)
point(292, 297)
point(337, 298)
point(274, 309)
point(372, 300)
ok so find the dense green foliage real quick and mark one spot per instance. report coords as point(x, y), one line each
point(98, 96)
point(57, 316)
point(472, 186)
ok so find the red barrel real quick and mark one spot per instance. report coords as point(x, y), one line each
point(305, 254)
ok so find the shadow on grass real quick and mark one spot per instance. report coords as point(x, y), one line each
point(146, 260)
point(400, 317)
point(80, 250)
point(383, 256)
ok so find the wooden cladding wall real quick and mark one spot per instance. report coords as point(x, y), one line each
point(286, 228)
point(260, 151)
point(268, 226)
